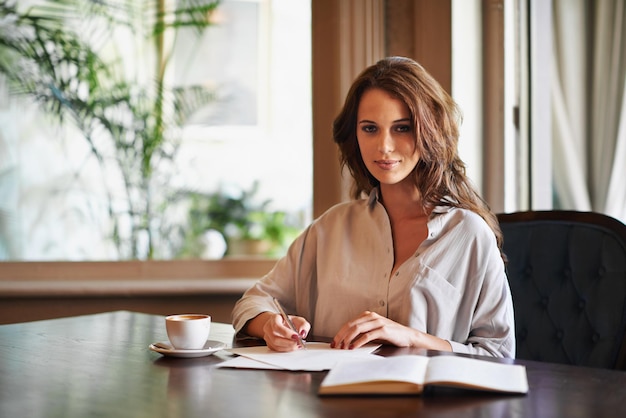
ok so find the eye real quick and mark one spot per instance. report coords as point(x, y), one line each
point(404, 128)
point(369, 128)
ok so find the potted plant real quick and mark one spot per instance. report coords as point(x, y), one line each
point(247, 224)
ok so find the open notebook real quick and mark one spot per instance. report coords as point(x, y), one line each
point(409, 374)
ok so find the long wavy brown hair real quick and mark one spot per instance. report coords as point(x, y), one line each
point(440, 173)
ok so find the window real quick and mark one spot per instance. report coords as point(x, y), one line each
point(56, 199)
point(572, 70)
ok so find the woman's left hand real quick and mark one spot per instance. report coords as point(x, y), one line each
point(370, 326)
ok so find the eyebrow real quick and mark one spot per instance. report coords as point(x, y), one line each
point(395, 121)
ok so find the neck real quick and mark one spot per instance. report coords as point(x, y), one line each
point(402, 201)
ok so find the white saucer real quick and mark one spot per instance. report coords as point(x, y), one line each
point(165, 348)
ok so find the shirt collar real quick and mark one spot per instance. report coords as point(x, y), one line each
point(375, 194)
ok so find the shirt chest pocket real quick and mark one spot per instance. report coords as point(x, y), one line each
point(433, 300)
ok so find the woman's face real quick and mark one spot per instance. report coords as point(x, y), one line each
point(386, 137)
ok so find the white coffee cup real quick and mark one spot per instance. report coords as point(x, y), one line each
point(188, 331)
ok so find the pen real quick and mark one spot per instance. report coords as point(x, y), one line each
point(288, 320)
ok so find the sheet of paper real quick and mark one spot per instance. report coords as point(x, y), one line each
point(241, 362)
point(317, 357)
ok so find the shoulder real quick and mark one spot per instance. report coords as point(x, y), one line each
point(349, 221)
point(452, 219)
point(368, 206)
point(459, 216)
point(343, 210)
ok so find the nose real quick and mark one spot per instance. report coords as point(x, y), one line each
point(385, 143)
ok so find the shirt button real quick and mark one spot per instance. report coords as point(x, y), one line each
point(381, 302)
point(397, 273)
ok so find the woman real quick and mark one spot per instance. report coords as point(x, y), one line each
point(415, 259)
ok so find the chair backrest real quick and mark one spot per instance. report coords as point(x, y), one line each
point(567, 273)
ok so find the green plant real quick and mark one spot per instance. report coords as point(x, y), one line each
point(131, 122)
point(238, 216)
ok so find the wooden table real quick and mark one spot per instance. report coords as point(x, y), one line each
point(100, 365)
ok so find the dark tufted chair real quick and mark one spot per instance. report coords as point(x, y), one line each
point(567, 272)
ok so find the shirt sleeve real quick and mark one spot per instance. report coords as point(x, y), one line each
point(284, 281)
point(492, 329)
point(489, 305)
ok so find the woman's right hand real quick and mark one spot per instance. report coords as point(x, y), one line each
point(280, 337)
point(276, 332)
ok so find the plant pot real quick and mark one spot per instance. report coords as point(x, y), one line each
point(248, 247)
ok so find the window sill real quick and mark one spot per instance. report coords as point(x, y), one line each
point(130, 278)
point(130, 288)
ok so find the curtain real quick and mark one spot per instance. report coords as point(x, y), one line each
point(609, 119)
point(589, 105)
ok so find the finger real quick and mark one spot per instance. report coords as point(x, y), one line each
point(287, 338)
point(302, 325)
point(353, 329)
point(365, 338)
point(301, 328)
point(279, 336)
point(283, 344)
point(367, 329)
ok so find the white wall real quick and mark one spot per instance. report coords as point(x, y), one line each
point(467, 82)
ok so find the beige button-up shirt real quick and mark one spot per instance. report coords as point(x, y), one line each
point(454, 287)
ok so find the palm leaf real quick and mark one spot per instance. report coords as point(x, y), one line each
point(194, 14)
point(187, 100)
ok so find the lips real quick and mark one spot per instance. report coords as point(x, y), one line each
point(386, 164)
